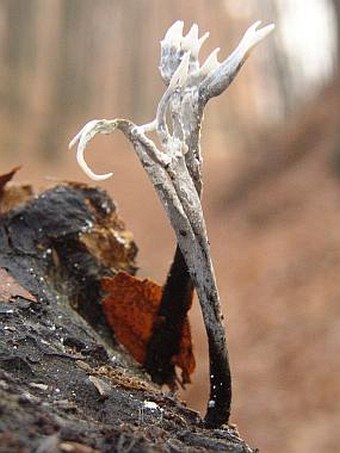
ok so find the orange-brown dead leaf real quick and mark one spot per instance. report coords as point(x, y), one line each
point(4, 179)
point(131, 306)
point(11, 196)
point(10, 288)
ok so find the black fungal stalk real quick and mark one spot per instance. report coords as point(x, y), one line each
point(164, 343)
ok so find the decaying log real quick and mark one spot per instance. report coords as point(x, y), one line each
point(66, 385)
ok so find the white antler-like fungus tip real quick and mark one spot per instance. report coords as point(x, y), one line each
point(74, 140)
point(254, 36)
point(174, 34)
point(211, 63)
point(190, 40)
point(192, 34)
point(181, 74)
point(215, 81)
point(87, 133)
point(267, 30)
point(203, 38)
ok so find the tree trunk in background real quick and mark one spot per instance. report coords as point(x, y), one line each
point(276, 60)
point(336, 4)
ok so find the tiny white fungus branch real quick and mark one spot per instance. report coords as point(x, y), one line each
point(174, 34)
point(87, 133)
point(211, 63)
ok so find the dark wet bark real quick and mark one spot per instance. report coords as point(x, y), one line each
point(65, 384)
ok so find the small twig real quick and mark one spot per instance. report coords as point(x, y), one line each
point(175, 170)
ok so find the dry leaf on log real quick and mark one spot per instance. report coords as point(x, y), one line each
point(131, 308)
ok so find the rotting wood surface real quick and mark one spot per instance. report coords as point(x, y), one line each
point(65, 384)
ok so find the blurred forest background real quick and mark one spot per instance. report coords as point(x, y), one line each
point(272, 178)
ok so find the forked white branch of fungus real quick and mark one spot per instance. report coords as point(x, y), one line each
point(175, 170)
